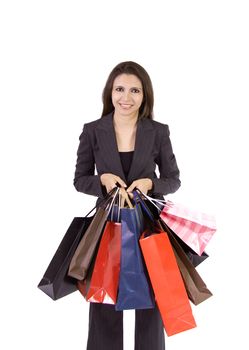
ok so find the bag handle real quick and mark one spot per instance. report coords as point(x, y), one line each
point(117, 203)
point(121, 197)
point(152, 223)
point(105, 199)
point(125, 198)
point(152, 200)
point(139, 199)
point(110, 206)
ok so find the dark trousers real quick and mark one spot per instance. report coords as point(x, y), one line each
point(106, 329)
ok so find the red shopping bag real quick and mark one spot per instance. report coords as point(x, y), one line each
point(193, 227)
point(104, 280)
point(167, 283)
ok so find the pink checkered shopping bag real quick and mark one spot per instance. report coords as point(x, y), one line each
point(193, 227)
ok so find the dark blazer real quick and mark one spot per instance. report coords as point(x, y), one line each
point(98, 154)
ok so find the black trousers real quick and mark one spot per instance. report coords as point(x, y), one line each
point(106, 329)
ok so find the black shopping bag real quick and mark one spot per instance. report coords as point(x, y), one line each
point(56, 283)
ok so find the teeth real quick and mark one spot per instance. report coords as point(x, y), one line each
point(124, 105)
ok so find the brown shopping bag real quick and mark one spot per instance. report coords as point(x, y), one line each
point(85, 251)
point(195, 286)
point(86, 248)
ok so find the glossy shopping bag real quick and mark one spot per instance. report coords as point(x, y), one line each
point(193, 227)
point(167, 283)
point(193, 257)
point(104, 281)
point(84, 253)
point(84, 285)
point(134, 288)
point(55, 282)
point(194, 284)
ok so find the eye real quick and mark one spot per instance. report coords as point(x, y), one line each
point(119, 89)
point(135, 90)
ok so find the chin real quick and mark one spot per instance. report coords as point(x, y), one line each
point(127, 111)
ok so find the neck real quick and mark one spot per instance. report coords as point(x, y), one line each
point(124, 121)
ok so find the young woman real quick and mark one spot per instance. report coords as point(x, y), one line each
point(124, 147)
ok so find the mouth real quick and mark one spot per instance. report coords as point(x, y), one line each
point(125, 105)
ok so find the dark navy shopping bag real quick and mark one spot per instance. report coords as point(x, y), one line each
point(134, 287)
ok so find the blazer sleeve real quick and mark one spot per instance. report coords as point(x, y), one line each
point(85, 179)
point(168, 181)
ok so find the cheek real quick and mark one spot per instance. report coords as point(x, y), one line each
point(139, 100)
point(115, 98)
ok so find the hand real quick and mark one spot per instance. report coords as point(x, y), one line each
point(144, 185)
point(110, 180)
point(124, 198)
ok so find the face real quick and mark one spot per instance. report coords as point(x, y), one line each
point(127, 95)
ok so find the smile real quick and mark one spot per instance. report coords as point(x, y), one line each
point(125, 105)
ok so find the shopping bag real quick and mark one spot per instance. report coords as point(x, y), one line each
point(152, 208)
point(55, 281)
point(193, 227)
point(85, 251)
point(134, 288)
point(194, 258)
point(84, 285)
point(194, 284)
point(167, 283)
point(104, 281)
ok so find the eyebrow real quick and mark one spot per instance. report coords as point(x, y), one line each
point(133, 87)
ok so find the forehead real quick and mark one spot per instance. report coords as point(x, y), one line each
point(127, 80)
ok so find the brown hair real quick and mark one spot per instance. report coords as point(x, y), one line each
point(129, 67)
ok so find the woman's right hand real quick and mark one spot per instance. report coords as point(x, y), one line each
point(110, 181)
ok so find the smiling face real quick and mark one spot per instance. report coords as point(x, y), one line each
point(127, 95)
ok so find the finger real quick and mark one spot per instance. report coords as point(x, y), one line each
point(125, 195)
point(122, 192)
point(122, 203)
point(120, 181)
point(130, 194)
point(142, 189)
point(131, 187)
point(110, 187)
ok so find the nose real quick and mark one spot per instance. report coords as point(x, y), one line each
point(126, 95)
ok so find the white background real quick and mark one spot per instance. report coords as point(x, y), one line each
point(55, 59)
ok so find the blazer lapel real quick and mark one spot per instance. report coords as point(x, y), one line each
point(107, 142)
point(145, 137)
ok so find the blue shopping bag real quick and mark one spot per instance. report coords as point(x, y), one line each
point(135, 291)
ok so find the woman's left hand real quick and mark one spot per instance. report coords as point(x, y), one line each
point(144, 185)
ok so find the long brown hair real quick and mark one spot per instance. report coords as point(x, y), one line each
point(129, 67)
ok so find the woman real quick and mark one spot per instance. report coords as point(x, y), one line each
point(123, 147)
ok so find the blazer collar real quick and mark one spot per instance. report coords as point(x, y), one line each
point(143, 146)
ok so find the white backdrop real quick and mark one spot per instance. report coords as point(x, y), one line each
point(55, 58)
